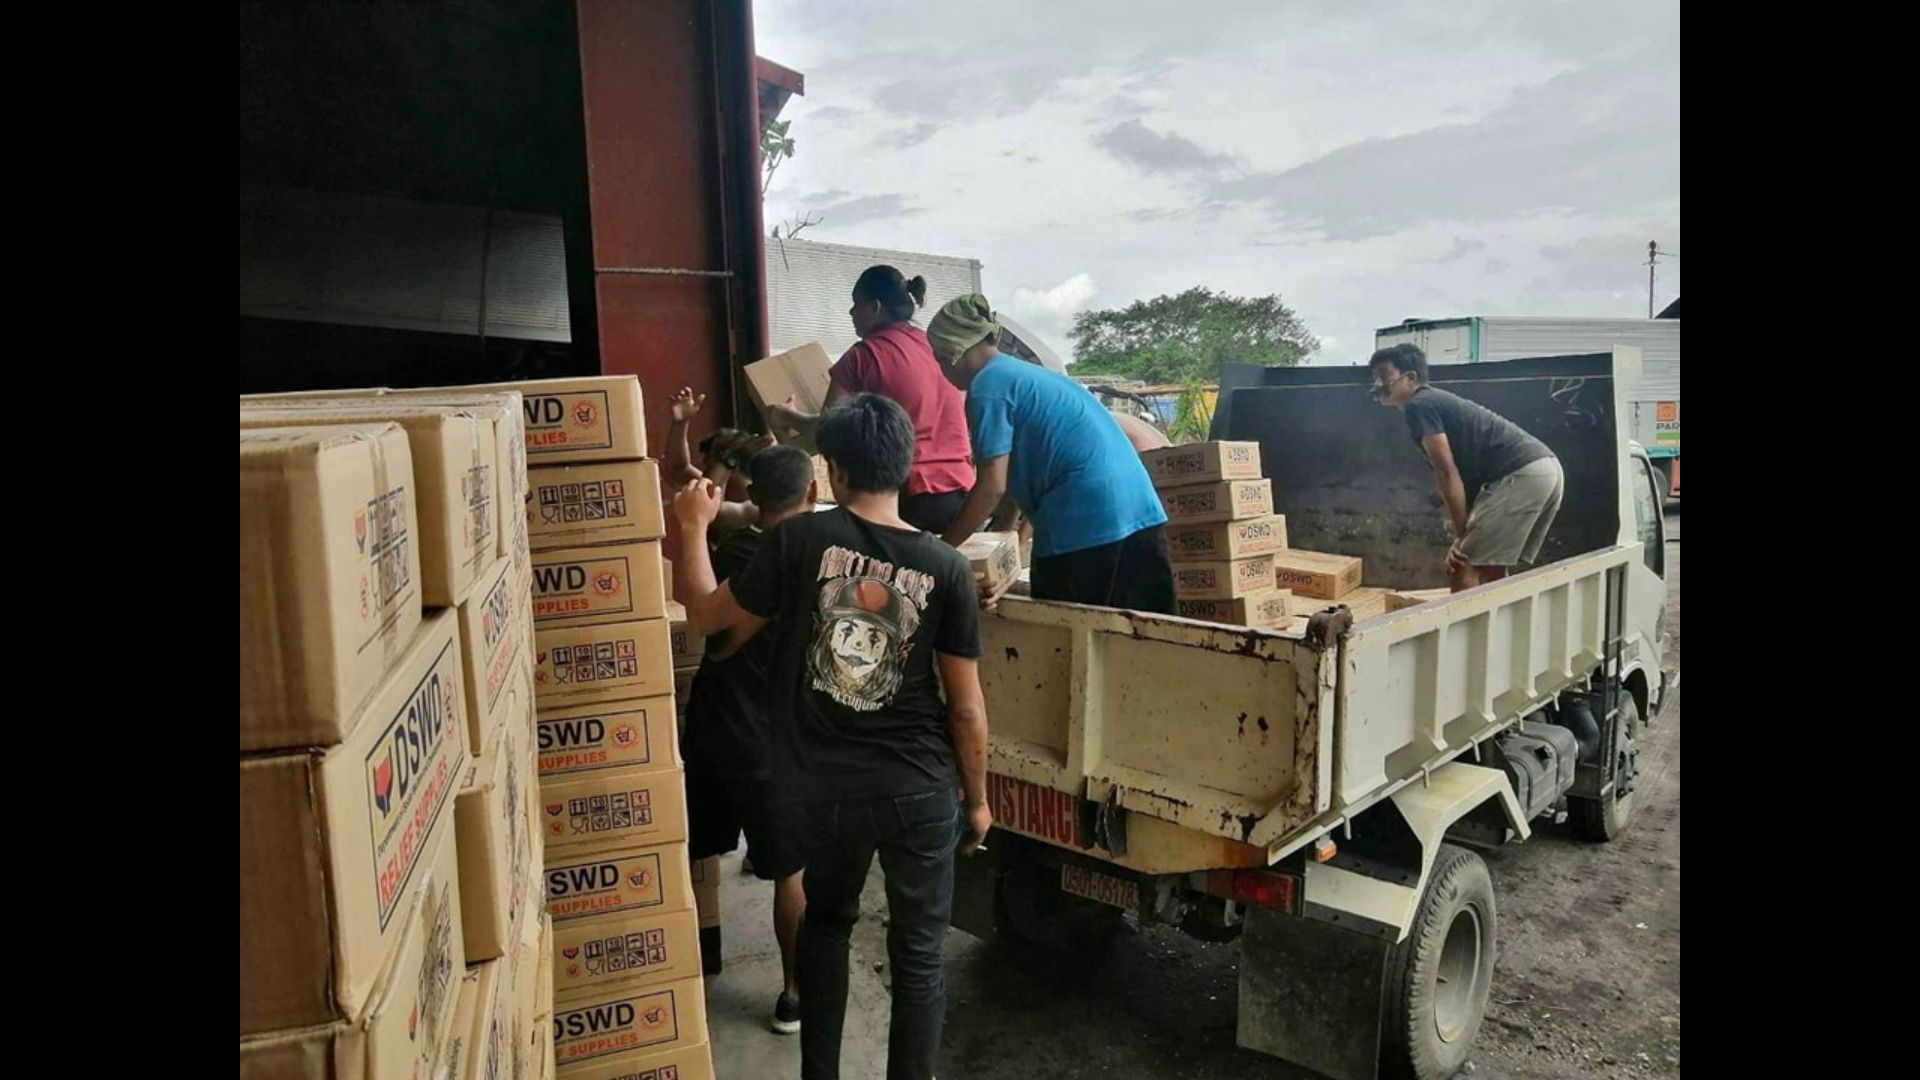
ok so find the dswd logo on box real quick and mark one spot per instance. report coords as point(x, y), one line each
point(408, 777)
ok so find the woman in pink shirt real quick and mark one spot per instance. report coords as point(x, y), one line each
point(894, 359)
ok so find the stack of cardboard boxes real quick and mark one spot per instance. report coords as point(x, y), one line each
point(1222, 533)
point(440, 759)
point(353, 741)
point(627, 995)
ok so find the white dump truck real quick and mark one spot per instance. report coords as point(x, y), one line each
point(1318, 794)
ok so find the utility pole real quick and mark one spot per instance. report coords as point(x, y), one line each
point(1654, 253)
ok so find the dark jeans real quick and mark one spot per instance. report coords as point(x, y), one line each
point(915, 836)
point(932, 513)
point(1135, 573)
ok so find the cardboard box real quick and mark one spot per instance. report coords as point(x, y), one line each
point(688, 647)
point(1199, 463)
point(804, 374)
point(503, 408)
point(1222, 580)
point(638, 880)
point(1231, 500)
point(1227, 539)
point(1316, 574)
point(615, 735)
point(1397, 601)
point(485, 1035)
point(1265, 609)
point(995, 555)
point(579, 665)
point(333, 842)
point(543, 984)
point(822, 480)
point(494, 824)
point(494, 648)
point(611, 583)
point(605, 502)
point(598, 418)
point(454, 463)
point(409, 1022)
point(329, 577)
point(681, 1063)
point(299, 395)
point(629, 949)
point(627, 1020)
point(611, 811)
point(706, 891)
point(532, 972)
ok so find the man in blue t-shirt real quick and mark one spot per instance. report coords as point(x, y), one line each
point(1099, 533)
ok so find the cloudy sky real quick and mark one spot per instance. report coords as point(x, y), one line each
point(1368, 161)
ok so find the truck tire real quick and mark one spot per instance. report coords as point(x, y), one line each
point(1603, 819)
point(1439, 977)
point(1031, 906)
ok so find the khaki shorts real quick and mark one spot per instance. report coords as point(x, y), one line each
point(1511, 516)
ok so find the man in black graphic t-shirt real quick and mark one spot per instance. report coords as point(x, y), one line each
point(873, 619)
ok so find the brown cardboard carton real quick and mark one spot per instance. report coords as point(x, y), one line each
point(329, 577)
point(680, 1063)
point(706, 891)
point(298, 395)
point(1316, 574)
point(688, 647)
point(1397, 601)
point(626, 1020)
point(494, 650)
point(579, 665)
point(454, 463)
point(1265, 609)
point(629, 949)
point(996, 555)
point(1365, 602)
point(494, 823)
point(1222, 580)
point(614, 735)
point(603, 502)
point(1227, 539)
point(543, 986)
point(1200, 463)
point(1231, 500)
point(589, 585)
point(532, 972)
point(503, 409)
point(333, 842)
point(802, 373)
point(638, 880)
point(822, 480)
point(612, 810)
point(485, 1037)
point(591, 419)
point(408, 1023)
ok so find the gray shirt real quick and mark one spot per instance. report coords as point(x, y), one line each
point(1486, 446)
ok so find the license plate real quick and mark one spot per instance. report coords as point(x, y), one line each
point(1116, 892)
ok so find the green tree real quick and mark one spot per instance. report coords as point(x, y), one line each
point(1186, 338)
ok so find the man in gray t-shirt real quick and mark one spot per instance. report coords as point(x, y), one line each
point(1501, 486)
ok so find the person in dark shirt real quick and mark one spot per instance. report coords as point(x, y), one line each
point(727, 733)
point(1501, 486)
point(877, 717)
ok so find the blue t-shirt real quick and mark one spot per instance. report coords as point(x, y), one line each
point(1072, 471)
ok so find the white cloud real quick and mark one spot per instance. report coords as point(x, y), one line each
point(1049, 312)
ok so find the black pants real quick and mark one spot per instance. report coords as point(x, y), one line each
point(915, 836)
point(1134, 573)
point(930, 512)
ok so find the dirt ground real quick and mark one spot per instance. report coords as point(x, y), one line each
point(1587, 981)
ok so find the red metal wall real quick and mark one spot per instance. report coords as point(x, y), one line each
point(673, 164)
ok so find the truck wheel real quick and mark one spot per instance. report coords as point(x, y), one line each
point(1031, 906)
point(1439, 977)
point(1604, 819)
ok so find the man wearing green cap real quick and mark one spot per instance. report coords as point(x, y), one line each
point(1099, 533)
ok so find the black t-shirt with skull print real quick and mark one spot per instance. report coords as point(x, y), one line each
point(858, 611)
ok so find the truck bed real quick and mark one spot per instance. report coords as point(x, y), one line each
point(1265, 739)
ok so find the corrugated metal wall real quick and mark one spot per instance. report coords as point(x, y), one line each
point(810, 287)
point(1657, 339)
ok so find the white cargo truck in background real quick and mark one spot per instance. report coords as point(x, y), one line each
point(1654, 420)
point(810, 288)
